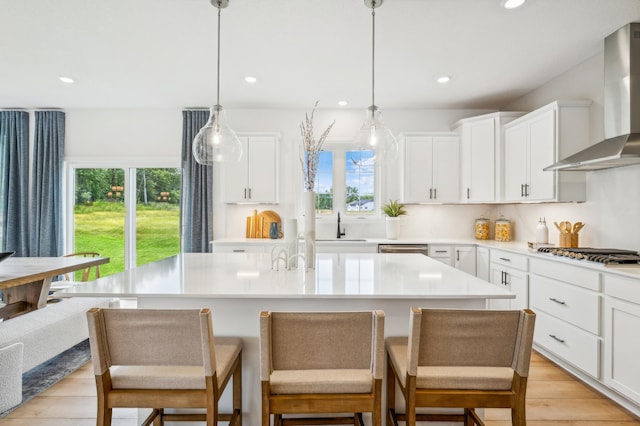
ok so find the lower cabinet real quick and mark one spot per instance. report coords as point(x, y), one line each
point(346, 247)
point(567, 302)
point(441, 253)
point(509, 270)
point(621, 325)
point(227, 247)
point(482, 263)
point(464, 259)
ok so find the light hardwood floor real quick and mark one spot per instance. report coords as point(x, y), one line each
point(554, 398)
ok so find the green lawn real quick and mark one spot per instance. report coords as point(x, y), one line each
point(100, 227)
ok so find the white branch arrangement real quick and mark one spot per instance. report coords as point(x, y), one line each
point(311, 149)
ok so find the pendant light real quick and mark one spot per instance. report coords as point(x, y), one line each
point(216, 142)
point(373, 134)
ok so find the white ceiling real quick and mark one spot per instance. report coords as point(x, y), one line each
point(162, 53)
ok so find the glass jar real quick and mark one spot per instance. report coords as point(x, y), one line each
point(482, 229)
point(503, 229)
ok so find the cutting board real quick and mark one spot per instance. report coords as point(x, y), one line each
point(259, 223)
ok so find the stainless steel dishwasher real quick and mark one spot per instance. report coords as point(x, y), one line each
point(404, 248)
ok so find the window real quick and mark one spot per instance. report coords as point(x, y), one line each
point(346, 182)
point(128, 214)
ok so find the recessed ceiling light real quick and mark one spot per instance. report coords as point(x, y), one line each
point(443, 79)
point(250, 79)
point(512, 4)
point(343, 103)
point(67, 80)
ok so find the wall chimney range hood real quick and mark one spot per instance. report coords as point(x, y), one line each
point(621, 107)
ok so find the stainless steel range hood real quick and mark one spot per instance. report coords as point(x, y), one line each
point(621, 107)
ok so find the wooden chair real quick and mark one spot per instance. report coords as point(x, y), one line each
point(87, 271)
point(460, 358)
point(161, 359)
point(315, 363)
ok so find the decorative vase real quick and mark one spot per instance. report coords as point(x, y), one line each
point(310, 228)
point(392, 227)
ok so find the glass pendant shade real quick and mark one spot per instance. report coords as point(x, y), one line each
point(216, 142)
point(374, 135)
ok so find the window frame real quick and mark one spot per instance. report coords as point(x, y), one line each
point(339, 150)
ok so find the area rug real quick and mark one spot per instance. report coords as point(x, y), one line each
point(45, 375)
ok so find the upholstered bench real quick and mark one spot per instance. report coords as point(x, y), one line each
point(49, 331)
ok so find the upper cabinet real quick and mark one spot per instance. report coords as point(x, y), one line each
point(254, 179)
point(539, 139)
point(480, 152)
point(431, 168)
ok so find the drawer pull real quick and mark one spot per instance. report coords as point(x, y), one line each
point(506, 259)
point(238, 250)
point(554, 337)
point(440, 251)
point(559, 302)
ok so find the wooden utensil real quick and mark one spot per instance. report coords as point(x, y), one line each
point(557, 226)
point(577, 227)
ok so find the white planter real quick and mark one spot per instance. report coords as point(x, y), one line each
point(393, 227)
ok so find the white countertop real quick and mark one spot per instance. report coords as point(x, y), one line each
point(249, 275)
point(631, 271)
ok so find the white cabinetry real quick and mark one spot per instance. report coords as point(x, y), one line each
point(441, 253)
point(482, 263)
point(431, 168)
point(254, 179)
point(346, 247)
point(539, 139)
point(509, 270)
point(567, 301)
point(480, 152)
point(464, 258)
point(621, 325)
point(256, 246)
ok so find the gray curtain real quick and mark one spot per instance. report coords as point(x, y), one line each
point(14, 181)
point(196, 214)
point(46, 184)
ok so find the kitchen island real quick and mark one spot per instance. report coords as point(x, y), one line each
point(237, 286)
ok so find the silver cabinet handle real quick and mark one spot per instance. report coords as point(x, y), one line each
point(522, 190)
point(245, 193)
point(249, 193)
point(431, 193)
point(553, 336)
point(506, 259)
point(468, 193)
point(435, 193)
point(238, 250)
point(458, 255)
point(559, 302)
point(526, 189)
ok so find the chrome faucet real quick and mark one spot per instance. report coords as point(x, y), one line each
point(340, 234)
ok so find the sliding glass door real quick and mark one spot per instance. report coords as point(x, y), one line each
point(129, 214)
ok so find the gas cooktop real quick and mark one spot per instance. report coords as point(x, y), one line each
point(600, 255)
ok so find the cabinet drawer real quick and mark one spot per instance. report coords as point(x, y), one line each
point(568, 303)
point(575, 275)
point(622, 287)
point(575, 346)
point(439, 251)
point(507, 258)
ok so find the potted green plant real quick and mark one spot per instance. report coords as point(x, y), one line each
point(393, 209)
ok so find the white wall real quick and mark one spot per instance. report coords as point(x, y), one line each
point(613, 196)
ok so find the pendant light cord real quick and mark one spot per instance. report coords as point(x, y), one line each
point(218, 88)
point(373, 51)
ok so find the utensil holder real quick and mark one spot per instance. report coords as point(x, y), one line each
point(568, 240)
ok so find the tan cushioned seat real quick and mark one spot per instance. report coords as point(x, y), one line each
point(467, 377)
point(176, 377)
point(321, 381)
